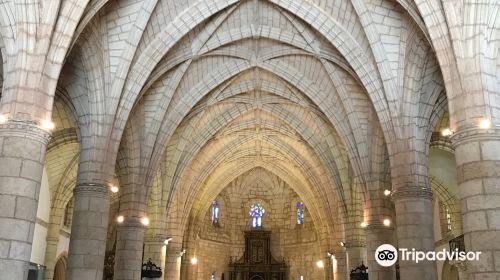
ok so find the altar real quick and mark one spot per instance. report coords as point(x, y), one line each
point(257, 262)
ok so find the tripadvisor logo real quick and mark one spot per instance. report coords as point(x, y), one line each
point(387, 255)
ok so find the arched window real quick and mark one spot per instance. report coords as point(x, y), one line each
point(300, 213)
point(215, 212)
point(257, 212)
point(68, 214)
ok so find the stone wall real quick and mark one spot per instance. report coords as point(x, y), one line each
point(214, 245)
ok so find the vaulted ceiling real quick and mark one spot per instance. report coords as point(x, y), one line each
point(189, 95)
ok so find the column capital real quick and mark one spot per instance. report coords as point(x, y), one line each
point(25, 129)
point(355, 244)
point(377, 225)
point(91, 189)
point(157, 238)
point(412, 192)
point(131, 222)
point(469, 133)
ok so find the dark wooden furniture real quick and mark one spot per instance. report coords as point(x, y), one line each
point(257, 262)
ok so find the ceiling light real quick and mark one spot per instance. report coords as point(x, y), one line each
point(363, 225)
point(120, 219)
point(387, 192)
point(320, 264)
point(194, 261)
point(145, 221)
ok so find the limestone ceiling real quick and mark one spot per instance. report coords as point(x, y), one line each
point(207, 90)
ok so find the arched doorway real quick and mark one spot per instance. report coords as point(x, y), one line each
point(450, 272)
point(60, 269)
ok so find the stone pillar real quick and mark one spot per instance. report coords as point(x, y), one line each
point(156, 249)
point(376, 235)
point(53, 231)
point(356, 255)
point(477, 153)
point(415, 229)
point(329, 269)
point(50, 257)
point(88, 232)
point(22, 155)
point(129, 246)
point(174, 261)
point(339, 266)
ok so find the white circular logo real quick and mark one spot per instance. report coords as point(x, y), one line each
point(386, 255)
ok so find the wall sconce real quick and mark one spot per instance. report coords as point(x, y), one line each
point(120, 219)
point(320, 264)
point(47, 125)
point(114, 189)
point(485, 124)
point(4, 118)
point(194, 261)
point(446, 132)
point(145, 221)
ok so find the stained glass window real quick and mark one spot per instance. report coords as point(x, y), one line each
point(215, 212)
point(300, 213)
point(257, 212)
point(448, 219)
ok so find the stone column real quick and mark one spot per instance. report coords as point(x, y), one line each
point(129, 246)
point(88, 232)
point(356, 255)
point(376, 235)
point(477, 153)
point(340, 265)
point(156, 249)
point(53, 231)
point(22, 155)
point(174, 261)
point(415, 229)
point(50, 257)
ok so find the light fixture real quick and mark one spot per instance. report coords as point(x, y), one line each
point(47, 125)
point(363, 225)
point(342, 243)
point(145, 221)
point(120, 219)
point(167, 240)
point(320, 264)
point(387, 222)
point(194, 261)
point(387, 192)
point(114, 189)
point(3, 118)
point(446, 132)
point(485, 124)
